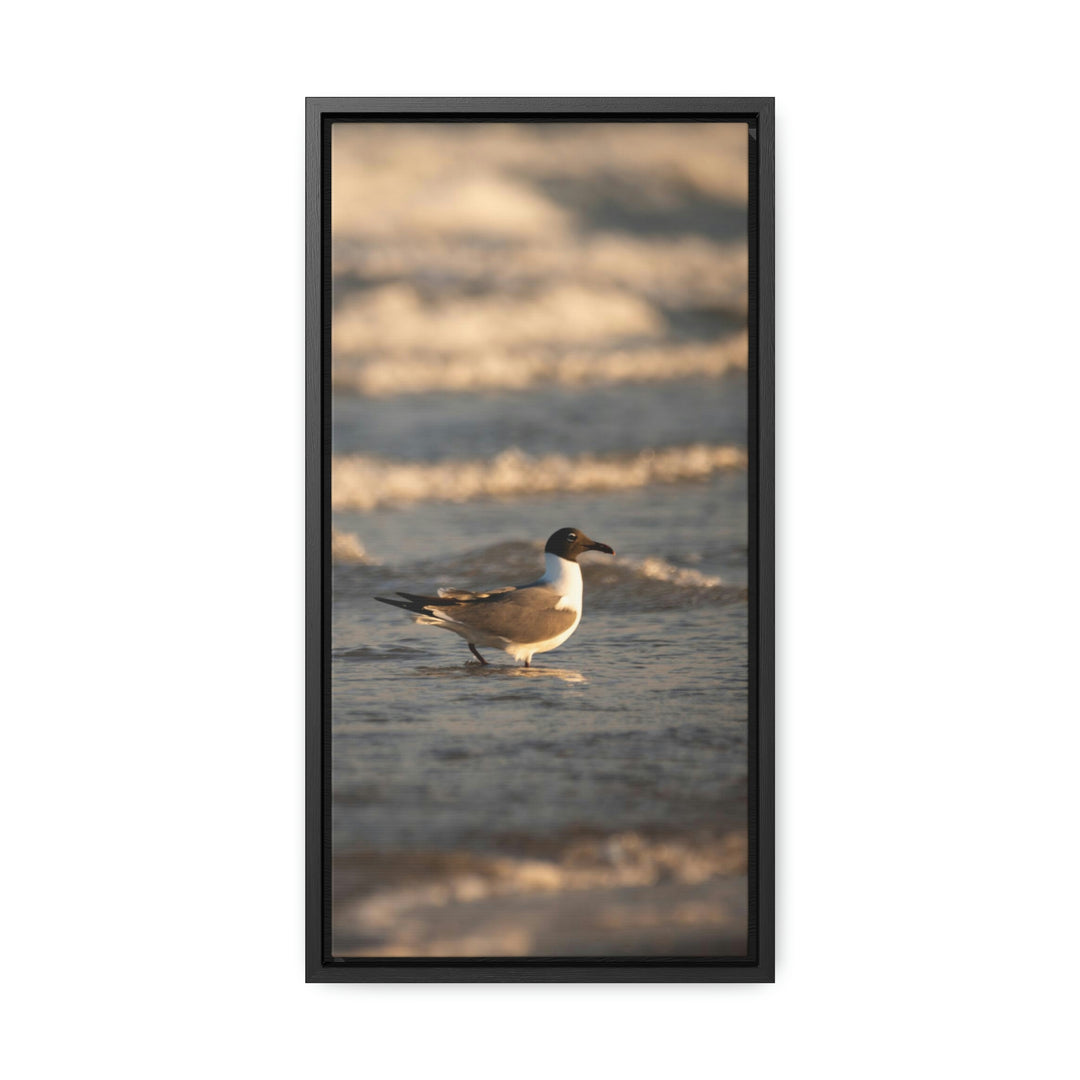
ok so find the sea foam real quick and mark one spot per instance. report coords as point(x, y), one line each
point(681, 273)
point(363, 482)
point(398, 319)
point(345, 547)
point(460, 904)
point(500, 369)
point(496, 181)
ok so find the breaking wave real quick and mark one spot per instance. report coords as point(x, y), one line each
point(363, 482)
point(660, 570)
point(396, 318)
point(345, 547)
point(486, 369)
point(680, 273)
point(499, 181)
point(608, 888)
point(654, 584)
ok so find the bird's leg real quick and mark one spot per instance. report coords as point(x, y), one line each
point(472, 649)
point(527, 664)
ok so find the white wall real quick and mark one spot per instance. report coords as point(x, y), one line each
point(152, 448)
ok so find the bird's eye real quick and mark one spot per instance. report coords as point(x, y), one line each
point(572, 536)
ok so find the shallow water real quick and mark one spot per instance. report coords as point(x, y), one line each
point(595, 802)
point(638, 720)
point(564, 420)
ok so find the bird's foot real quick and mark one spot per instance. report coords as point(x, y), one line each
point(472, 649)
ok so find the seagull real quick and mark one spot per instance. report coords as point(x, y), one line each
point(519, 619)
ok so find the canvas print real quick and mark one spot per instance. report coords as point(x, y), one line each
point(539, 495)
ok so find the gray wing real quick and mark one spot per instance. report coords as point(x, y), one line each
point(525, 615)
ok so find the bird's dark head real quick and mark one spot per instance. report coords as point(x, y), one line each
point(570, 543)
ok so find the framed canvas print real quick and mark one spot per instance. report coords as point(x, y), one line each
point(540, 539)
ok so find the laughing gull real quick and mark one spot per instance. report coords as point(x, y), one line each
point(520, 619)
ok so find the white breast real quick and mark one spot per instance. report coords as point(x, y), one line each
point(564, 577)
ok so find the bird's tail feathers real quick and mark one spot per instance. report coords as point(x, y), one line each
point(418, 605)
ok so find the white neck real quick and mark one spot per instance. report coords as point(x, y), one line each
point(564, 577)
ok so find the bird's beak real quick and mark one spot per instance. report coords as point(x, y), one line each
point(597, 546)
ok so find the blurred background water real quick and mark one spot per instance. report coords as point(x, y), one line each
point(538, 326)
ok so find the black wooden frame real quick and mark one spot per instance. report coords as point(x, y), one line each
point(759, 967)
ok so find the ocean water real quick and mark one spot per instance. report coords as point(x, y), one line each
point(539, 326)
